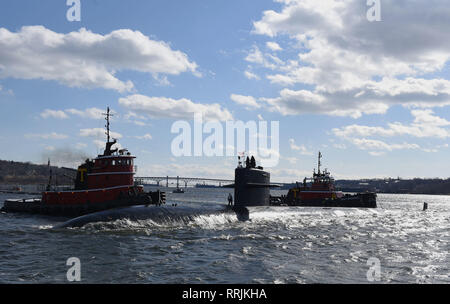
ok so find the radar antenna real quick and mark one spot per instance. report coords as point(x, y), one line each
point(108, 115)
point(109, 144)
point(318, 165)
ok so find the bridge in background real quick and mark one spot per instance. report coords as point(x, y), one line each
point(182, 180)
point(173, 180)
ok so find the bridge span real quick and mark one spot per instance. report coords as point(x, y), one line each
point(180, 179)
point(176, 180)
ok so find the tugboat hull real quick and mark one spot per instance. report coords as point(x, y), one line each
point(321, 192)
point(36, 206)
point(360, 200)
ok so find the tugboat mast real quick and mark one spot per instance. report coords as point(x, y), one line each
point(107, 114)
point(318, 165)
point(109, 144)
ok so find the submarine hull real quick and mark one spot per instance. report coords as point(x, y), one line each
point(159, 214)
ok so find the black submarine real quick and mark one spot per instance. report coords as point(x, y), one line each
point(251, 189)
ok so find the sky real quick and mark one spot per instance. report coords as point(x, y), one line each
point(372, 95)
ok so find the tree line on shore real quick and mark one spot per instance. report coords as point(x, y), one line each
point(26, 173)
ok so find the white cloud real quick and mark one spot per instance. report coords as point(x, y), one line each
point(214, 169)
point(377, 153)
point(93, 113)
point(291, 160)
point(175, 169)
point(251, 75)
point(266, 60)
point(425, 124)
point(161, 81)
point(247, 101)
point(291, 102)
point(373, 98)
point(80, 146)
point(52, 135)
point(3, 91)
point(133, 115)
point(423, 117)
point(354, 66)
point(303, 150)
point(430, 150)
point(54, 114)
point(255, 56)
point(273, 46)
point(136, 119)
point(99, 143)
point(372, 144)
point(340, 146)
point(162, 107)
point(139, 123)
point(98, 133)
point(359, 130)
point(146, 136)
point(86, 59)
point(288, 175)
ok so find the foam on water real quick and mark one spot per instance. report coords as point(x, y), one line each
point(278, 244)
point(214, 221)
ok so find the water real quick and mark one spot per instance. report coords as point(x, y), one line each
point(279, 245)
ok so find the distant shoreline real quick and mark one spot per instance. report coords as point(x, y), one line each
point(25, 173)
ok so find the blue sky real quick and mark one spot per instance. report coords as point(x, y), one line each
point(372, 96)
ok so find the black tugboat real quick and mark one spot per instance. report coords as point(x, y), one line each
point(102, 183)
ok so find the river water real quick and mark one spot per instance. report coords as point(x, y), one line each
point(395, 243)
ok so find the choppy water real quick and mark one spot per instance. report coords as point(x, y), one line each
point(278, 245)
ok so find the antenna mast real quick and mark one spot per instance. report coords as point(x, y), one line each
point(318, 166)
point(108, 115)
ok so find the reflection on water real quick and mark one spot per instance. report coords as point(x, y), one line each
point(278, 245)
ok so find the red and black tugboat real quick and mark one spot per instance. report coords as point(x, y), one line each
point(319, 191)
point(102, 183)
